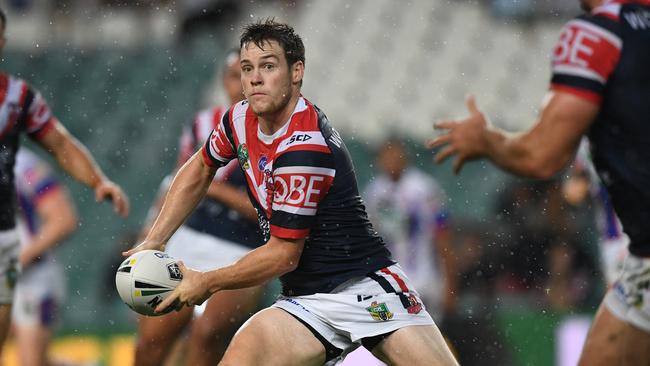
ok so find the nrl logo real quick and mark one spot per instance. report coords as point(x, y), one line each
point(379, 311)
point(174, 272)
point(242, 155)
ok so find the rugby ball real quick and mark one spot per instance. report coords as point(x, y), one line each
point(145, 279)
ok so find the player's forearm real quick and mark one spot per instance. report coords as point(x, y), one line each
point(75, 159)
point(53, 232)
point(255, 268)
point(188, 187)
point(233, 198)
point(517, 153)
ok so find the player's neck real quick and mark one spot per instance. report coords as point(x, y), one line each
point(271, 123)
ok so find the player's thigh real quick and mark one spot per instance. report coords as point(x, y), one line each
point(612, 341)
point(274, 337)
point(415, 345)
point(605, 342)
point(225, 310)
point(162, 330)
point(32, 344)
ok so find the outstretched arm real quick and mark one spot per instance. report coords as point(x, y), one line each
point(75, 159)
point(539, 152)
point(277, 257)
point(188, 187)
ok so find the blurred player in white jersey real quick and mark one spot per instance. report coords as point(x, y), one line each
point(583, 181)
point(407, 207)
point(221, 230)
point(46, 217)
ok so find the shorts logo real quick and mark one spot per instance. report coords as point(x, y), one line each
point(242, 155)
point(161, 255)
point(174, 272)
point(415, 306)
point(379, 311)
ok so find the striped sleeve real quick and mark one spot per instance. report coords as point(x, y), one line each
point(301, 180)
point(585, 56)
point(37, 116)
point(219, 149)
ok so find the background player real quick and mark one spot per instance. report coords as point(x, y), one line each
point(600, 87)
point(47, 217)
point(407, 207)
point(23, 110)
point(220, 231)
point(340, 286)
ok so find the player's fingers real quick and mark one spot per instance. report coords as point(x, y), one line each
point(458, 164)
point(120, 203)
point(444, 154)
point(181, 266)
point(100, 192)
point(470, 100)
point(133, 250)
point(438, 141)
point(169, 300)
point(445, 124)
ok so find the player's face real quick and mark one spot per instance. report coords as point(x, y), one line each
point(392, 161)
point(268, 81)
point(588, 5)
point(232, 80)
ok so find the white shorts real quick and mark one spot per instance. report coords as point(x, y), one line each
point(629, 298)
point(9, 267)
point(359, 309)
point(203, 252)
point(40, 292)
point(612, 254)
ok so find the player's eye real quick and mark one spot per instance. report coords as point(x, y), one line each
point(268, 66)
point(246, 68)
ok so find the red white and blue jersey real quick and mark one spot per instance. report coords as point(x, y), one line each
point(34, 181)
point(604, 57)
point(22, 109)
point(210, 216)
point(302, 183)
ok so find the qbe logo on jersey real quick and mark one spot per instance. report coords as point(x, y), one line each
point(298, 189)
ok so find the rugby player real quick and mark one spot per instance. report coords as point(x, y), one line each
point(341, 289)
point(221, 230)
point(23, 110)
point(600, 88)
point(46, 217)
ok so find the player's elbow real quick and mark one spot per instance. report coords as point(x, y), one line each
point(287, 265)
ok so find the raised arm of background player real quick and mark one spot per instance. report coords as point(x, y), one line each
point(75, 159)
point(275, 258)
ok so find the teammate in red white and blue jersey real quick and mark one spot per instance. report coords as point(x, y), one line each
point(23, 110)
point(341, 289)
point(600, 88)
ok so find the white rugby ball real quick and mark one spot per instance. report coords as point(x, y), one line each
point(145, 279)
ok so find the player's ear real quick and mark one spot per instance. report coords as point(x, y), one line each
point(297, 72)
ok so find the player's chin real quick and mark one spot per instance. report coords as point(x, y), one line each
point(259, 107)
